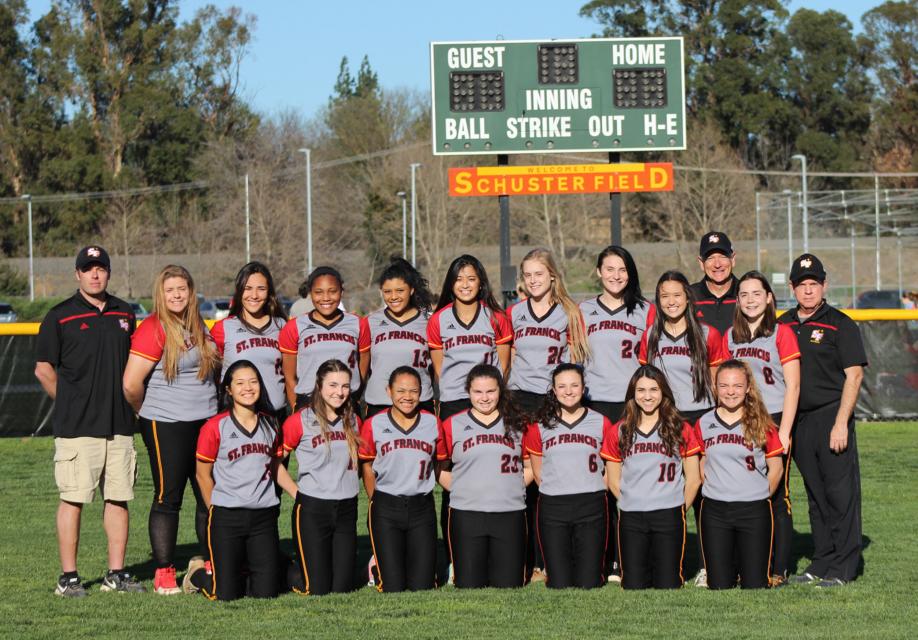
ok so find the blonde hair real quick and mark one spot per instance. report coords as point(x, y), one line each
point(320, 409)
point(756, 419)
point(175, 326)
point(578, 347)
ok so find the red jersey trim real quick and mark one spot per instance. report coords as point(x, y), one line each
point(77, 317)
point(820, 324)
point(775, 453)
point(609, 457)
point(203, 458)
point(793, 356)
point(145, 356)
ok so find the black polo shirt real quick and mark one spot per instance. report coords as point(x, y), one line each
point(717, 312)
point(89, 349)
point(830, 342)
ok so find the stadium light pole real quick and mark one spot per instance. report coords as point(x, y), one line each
point(806, 221)
point(28, 198)
point(414, 210)
point(403, 196)
point(790, 232)
point(307, 152)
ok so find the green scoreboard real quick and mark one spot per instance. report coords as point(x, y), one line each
point(513, 96)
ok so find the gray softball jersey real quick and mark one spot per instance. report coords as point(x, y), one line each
point(242, 461)
point(465, 345)
point(614, 338)
point(734, 471)
point(314, 343)
point(394, 344)
point(651, 480)
point(186, 398)
point(766, 357)
point(324, 470)
point(674, 359)
point(487, 473)
point(236, 341)
point(570, 454)
point(540, 344)
point(402, 460)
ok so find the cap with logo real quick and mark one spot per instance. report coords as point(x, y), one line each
point(807, 266)
point(93, 254)
point(715, 242)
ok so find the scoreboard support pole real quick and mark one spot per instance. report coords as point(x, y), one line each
point(615, 202)
point(507, 271)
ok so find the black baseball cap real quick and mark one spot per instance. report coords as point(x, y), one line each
point(93, 254)
point(715, 242)
point(807, 266)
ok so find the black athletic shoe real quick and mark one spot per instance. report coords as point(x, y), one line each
point(804, 578)
point(70, 588)
point(831, 582)
point(122, 582)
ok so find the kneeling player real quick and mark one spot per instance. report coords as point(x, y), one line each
point(652, 468)
point(564, 447)
point(741, 470)
point(237, 464)
point(397, 452)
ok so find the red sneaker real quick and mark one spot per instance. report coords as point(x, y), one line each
point(164, 582)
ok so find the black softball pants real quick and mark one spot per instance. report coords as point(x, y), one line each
point(613, 411)
point(237, 538)
point(652, 548)
point(488, 549)
point(403, 533)
point(783, 538)
point(736, 540)
point(171, 447)
point(833, 490)
point(445, 409)
point(325, 537)
point(572, 532)
point(530, 403)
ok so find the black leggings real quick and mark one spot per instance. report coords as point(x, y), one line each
point(530, 403)
point(572, 532)
point(652, 548)
point(171, 447)
point(736, 539)
point(612, 564)
point(325, 537)
point(237, 538)
point(403, 533)
point(446, 409)
point(488, 549)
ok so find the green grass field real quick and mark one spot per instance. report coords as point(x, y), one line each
point(882, 604)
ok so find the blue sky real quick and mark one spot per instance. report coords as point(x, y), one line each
point(298, 44)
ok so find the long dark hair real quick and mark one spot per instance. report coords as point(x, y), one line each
point(549, 414)
point(632, 295)
point(274, 308)
point(766, 328)
point(694, 337)
point(514, 419)
point(403, 270)
point(262, 405)
point(669, 419)
point(485, 295)
point(345, 411)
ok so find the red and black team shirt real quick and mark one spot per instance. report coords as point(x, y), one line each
point(829, 342)
point(89, 349)
point(717, 312)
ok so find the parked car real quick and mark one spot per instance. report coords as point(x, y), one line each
point(140, 312)
point(208, 308)
point(883, 299)
point(6, 313)
point(223, 308)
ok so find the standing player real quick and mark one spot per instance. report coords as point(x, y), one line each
point(82, 350)
point(397, 452)
point(238, 456)
point(547, 330)
point(741, 468)
point(652, 468)
point(324, 438)
point(169, 381)
point(715, 294)
point(615, 323)
point(771, 351)
point(252, 329)
point(825, 448)
point(480, 456)
point(398, 335)
point(564, 446)
point(326, 333)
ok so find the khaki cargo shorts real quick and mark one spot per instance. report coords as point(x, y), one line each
point(83, 464)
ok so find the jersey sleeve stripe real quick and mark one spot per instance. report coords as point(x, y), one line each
point(793, 356)
point(145, 356)
point(434, 345)
point(775, 453)
point(534, 452)
point(691, 452)
point(364, 456)
point(203, 458)
point(504, 340)
point(288, 351)
point(610, 458)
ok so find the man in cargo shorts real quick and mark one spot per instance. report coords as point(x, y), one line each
point(82, 350)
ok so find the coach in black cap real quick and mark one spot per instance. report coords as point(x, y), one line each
point(82, 349)
point(715, 294)
point(824, 443)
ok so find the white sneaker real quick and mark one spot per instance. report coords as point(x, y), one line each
point(452, 576)
point(701, 579)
